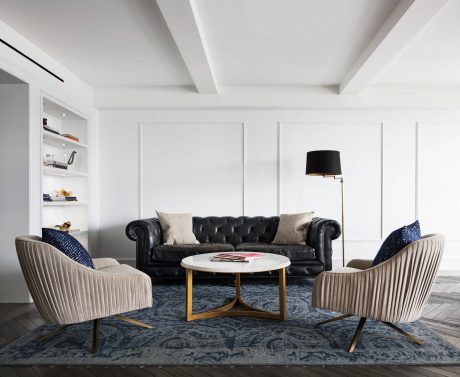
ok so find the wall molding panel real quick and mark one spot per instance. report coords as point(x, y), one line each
point(316, 128)
point(204, 140)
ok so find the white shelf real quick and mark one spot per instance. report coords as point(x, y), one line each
point(60, 141)
point(49, 170)
point(76, 233)
point(72, 232)
point(64, 204)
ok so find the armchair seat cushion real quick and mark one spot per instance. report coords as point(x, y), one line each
point(175, 253)
point(293, 252)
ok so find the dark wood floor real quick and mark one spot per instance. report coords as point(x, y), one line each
point(442, 314)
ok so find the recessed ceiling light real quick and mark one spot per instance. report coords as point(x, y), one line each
point(64, 114)
point(63, 144)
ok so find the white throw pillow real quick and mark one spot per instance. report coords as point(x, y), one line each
point(177, 228)
point(292, 229)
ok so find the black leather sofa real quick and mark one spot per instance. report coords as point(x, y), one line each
point(218, 234)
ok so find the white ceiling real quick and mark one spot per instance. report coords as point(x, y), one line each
point(288, 42)
point(105, 42)
point(249, 42)
point(432, 57)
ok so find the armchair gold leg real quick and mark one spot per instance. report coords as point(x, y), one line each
point(53, 332)
point(340, 317)
point(355, 340)
point(406, 334)
point(133, 321)
point(96, 326)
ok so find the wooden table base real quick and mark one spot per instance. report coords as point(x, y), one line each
point(237, 307)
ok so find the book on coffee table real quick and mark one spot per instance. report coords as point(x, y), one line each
point(236, 257)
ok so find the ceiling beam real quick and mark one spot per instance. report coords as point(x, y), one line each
point(404, 23)
point(183, 21)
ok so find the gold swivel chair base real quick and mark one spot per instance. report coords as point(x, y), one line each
point(96, 328)
point(361, 323)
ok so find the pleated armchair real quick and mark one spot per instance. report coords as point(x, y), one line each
point(394, 291)
point(66, 292)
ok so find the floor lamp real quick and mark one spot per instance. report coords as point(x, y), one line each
point(327, 165)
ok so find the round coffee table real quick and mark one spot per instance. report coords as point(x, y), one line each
point(237, 307)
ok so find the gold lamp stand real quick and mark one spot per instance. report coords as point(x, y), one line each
point(343, 218)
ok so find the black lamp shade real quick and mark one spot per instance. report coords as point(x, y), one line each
point(323, 163)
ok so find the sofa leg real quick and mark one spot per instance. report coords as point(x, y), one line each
point(405, 333)
point(96, 326)
point(355, 340)
point(340, 317)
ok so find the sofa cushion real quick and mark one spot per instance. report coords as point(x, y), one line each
point(293, 252)
point(175, 253)
point(292, 229)
point(177, 228)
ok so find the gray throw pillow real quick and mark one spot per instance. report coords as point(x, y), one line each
point(177, 228)
point(292, 229)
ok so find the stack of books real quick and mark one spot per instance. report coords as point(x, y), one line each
point(71, 137)
point(68, 136)
point(236, 257)
point(49, 198)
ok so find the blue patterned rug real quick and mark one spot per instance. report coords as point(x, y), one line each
point(231, 341)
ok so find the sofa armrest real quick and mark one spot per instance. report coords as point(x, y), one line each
point(321, 232)
point(147, 234)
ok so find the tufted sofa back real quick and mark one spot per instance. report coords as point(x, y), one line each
point(235, 230)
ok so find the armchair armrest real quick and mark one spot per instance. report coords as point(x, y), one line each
point(100, 263)
point(360, 264)
point(321, 232)
point(147, 234)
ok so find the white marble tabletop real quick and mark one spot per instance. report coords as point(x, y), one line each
point(203, 262)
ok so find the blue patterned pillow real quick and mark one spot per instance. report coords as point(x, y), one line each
point(396, 241)
point(68, 245)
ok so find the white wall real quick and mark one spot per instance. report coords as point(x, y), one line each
point(396, 166)
point(14, 185)
point(77, 95)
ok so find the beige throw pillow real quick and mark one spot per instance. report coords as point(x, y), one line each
point(293, 228)
point(177, 228)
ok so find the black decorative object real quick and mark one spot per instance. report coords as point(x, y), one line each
point(71, 158)
point(326, 163)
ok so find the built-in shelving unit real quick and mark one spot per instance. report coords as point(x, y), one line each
point(74, 177)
